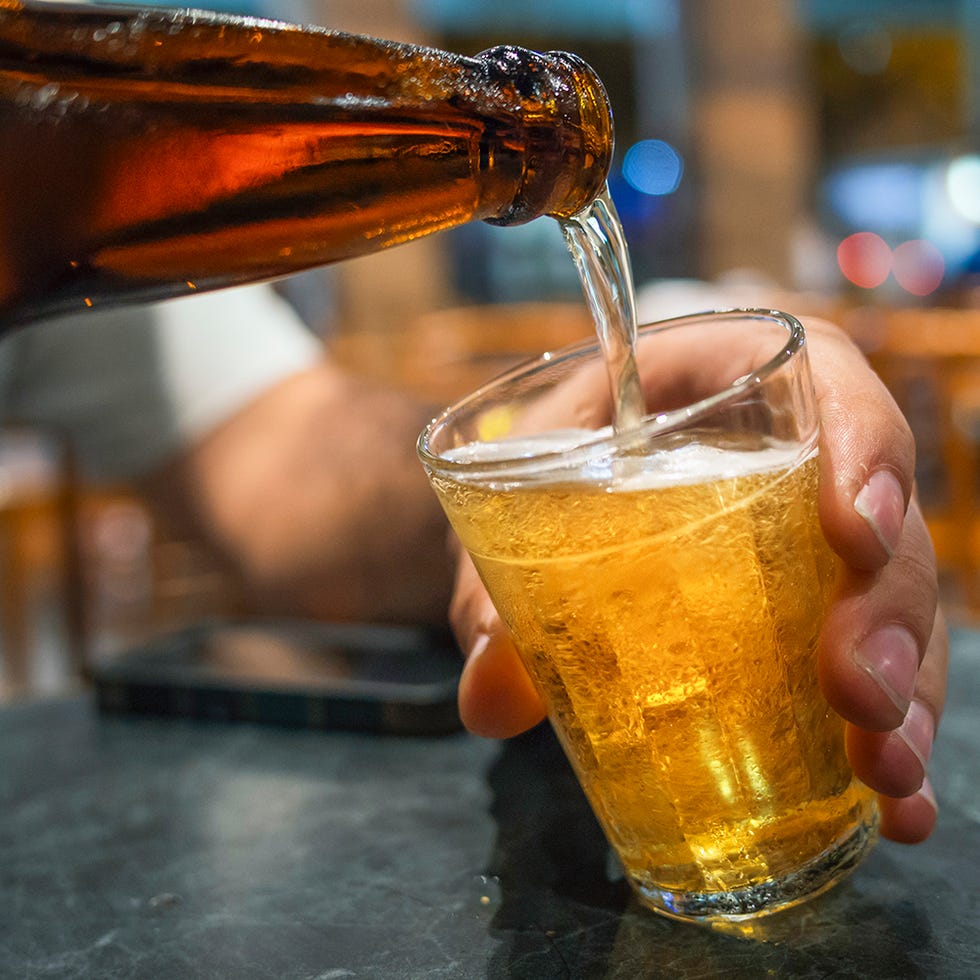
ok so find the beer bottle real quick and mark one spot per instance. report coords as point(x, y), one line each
point(148, 153)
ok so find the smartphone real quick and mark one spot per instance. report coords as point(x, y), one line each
point(361, 677)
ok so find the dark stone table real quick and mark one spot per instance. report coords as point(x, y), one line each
point(139, 848)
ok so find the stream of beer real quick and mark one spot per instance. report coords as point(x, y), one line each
point(598, 247)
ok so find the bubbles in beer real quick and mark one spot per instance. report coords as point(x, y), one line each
point(672, 627)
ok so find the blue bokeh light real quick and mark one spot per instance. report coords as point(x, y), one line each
point(886, 196)
point(653, 167)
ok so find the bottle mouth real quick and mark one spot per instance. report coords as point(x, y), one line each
point(567, 123)
point(589, 98)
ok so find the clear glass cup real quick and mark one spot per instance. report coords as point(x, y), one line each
point(665, 587)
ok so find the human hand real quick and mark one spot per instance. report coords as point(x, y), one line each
point(884, 647)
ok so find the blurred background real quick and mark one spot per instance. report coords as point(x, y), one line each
point(755, 139)
point(818, 155)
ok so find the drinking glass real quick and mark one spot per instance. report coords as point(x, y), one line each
point(665, 585)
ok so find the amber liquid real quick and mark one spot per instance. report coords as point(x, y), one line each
point(152, 153)
point(672, 630)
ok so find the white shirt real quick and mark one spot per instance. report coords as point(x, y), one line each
point(129, 387)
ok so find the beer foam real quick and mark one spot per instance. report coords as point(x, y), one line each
point(524, 447)
point(683, 465)
point(698, 463)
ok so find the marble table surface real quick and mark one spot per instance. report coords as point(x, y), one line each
point(152, 848)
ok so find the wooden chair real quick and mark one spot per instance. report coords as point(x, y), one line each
point(930, 361)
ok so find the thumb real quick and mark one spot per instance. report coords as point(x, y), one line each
point(496, 696)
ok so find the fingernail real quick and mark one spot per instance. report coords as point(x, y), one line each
point(479, 645)
point(918, 731)
point(881, 503)
point(925, 791)
point(891, 657)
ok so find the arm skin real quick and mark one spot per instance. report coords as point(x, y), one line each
point(884, 647)
point(314, 496)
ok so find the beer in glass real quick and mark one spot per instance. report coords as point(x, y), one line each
point(665, 587)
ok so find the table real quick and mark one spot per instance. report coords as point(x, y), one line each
point(144, 848)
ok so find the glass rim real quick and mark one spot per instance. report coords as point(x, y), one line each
point(606, 441)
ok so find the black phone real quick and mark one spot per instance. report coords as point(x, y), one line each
point(360, 677)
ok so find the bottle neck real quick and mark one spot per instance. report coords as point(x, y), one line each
point(567, 130)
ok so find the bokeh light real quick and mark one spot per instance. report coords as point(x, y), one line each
point(886, 196)
point(653, 167)
point(963, 186)
point(865, 259)
point(918, 267)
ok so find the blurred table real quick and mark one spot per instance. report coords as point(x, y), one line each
point(159, 849)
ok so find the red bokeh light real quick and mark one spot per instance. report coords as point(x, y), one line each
point(918, 267)
point(865, 259)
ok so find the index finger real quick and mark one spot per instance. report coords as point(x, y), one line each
point(867, 453)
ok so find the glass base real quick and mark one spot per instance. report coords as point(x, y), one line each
point(766, 897)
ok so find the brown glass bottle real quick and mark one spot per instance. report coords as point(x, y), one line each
point(148, 153)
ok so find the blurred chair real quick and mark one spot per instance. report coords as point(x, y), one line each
point(141, 577)
point(443, 355)
point(930, 361)
point(87, 572)
point(42, 627)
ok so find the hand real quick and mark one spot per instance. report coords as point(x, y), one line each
point(884, 648)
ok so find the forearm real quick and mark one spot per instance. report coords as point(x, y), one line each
point(314, 494)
